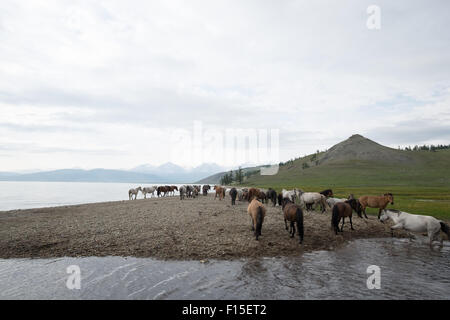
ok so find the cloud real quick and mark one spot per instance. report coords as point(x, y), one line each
point(109, 76)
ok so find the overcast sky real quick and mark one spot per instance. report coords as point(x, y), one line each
point(106, 83)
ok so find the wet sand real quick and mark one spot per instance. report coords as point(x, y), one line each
point(167, 228)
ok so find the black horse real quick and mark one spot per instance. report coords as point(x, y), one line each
point(327, 193)
point(280, 199)
point(206, 187)
point(233, 194)
point(272, 196)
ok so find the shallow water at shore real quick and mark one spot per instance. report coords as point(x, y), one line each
point(409, 270)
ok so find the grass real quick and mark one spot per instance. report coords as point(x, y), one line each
point(421, 187)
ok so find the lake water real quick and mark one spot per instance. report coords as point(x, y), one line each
point(27, 195)
point(408, 270)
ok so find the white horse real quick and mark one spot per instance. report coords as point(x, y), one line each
point(332, 201)
point(134, 192)
point(308, 199)
point(150, 190)
point(292, 195)
point(416, 223)
point(182, 192)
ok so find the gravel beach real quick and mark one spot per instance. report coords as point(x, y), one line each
point(168, 228)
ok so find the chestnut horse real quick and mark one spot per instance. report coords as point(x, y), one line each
point(293, 213)
point(257, 213)
point(376, 202)
point(220, 191)
point(342, 210)
point(253, 192)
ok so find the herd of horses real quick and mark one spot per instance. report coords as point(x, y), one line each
point(294, 202)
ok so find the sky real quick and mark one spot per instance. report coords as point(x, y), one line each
point(116, 84)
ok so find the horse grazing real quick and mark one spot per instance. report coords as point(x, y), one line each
point(272, 196)
point(308, 199)
point(342, 210)
point(150, 190)
point(233, 194)
point(376, 202)
point(294, 214)
point(220, 191)
point(257, 213)
point(134, 192)
point(416, 223)
point(205, 189)
point(252, 193)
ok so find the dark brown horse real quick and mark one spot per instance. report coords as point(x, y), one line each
point(280, 199)
point(376, 202)
point(272, 196)
point(294, 214)
point(233, 194)
point(257, 213)
point(262, 196)
point(342, 210)
point(205, 189)
point(253, 193)
point(161, 191)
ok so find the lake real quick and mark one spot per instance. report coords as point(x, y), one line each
point(27, 195)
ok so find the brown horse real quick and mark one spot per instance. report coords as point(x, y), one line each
point(257, 212)
point(342, 210)
point(172, 189)
point(262, 196)
point(293, 213)
point(219, 192)
point(376, 202)
point(253, 192)
point(161, 191)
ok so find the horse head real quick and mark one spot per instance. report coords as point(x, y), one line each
point(389, 197)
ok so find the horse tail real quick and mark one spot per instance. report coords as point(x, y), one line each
point(299, 217)
point(445, 228)
point(335, 218)
point(259, 221)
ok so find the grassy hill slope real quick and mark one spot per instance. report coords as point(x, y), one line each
point(419, 180)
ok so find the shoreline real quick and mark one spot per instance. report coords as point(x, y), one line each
point(168, 229)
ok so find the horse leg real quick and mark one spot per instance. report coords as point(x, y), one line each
point(342, 226)
point(285, 224)
point(394, 227)
point(292, 229)
point(351, 224)
point(364, 211)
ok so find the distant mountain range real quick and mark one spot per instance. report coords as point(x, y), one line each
point(165, 173)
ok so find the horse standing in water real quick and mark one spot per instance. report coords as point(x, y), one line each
point(376, 202)
point(233, 194)
point(416, 223)
point(134, 192)
point(257, 213)
point(342, 210)
point(294, 214)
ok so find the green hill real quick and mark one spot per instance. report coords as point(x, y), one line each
point(419, 180)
